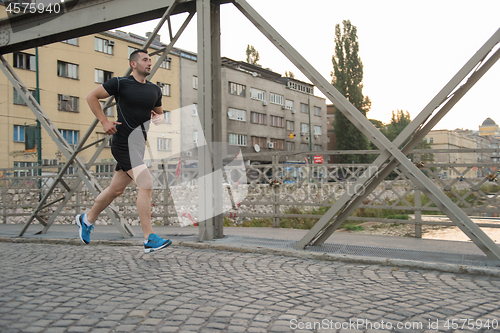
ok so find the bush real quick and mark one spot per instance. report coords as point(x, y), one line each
point(352, 227)
point(398, 217)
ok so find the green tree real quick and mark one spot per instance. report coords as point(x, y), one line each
point(426, 157)
point(252, 55)
point(289, 74)
point(399, 120)
point(380, 126)
point(347, 78)
point(377, 123)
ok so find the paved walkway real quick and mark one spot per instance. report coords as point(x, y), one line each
point(64, 288)
point(449, 256)
point(58, 287)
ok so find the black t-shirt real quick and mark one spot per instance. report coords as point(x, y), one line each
point(134, 102)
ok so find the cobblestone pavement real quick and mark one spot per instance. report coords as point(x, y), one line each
point(62, 288)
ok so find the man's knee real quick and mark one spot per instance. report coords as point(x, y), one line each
point(144, 180)
point(115, 192)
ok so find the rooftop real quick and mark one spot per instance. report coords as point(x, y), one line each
point(488, 122)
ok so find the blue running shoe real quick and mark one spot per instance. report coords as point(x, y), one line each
point(84, 229)
point(156, 243)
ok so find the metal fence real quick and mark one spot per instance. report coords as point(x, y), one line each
point(277, 186)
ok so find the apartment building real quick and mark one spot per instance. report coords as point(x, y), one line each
point(191, 133)
point(265, 112)
point(68, 71)
point(446, 139)
point(332, 138)
point(262, 111)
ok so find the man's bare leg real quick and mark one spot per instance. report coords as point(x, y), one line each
point(144, 182)
point(116, 187)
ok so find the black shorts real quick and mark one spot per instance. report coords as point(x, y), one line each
point(127, 157)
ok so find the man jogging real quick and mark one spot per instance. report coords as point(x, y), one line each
point(137, 100)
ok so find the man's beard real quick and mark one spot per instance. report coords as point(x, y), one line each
point(145, 72)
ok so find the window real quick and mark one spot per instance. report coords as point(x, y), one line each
point(67, 103)
point(290, 125)
point(304, 108)
point(304, 147)
point(166, 116)
point(317, 111)
point(275, 99)
point(165, 88)
point(69, 171)
point(165, 63)
point(70, 136)
point(103, 45)
point(195, 136)
point(100, 136)
point(164, 144)
point(24, 61)
point(195, 109)
point(237, 89)
point(278, 144)
point(257, 140)
point(26, 172)
point(102, 76)
point(18, 100)
point(195, 82)
point(104, 168)
point(290, 146)
point(277, 121)
point(289, 104)
point(317, 147)
point(237, 139)
point(236, 114)
point(65, 69)
point(300, 87)
point(258, 118)
point(257, 94)
point(304, 127)
point(18, 133)
point(130, 50)
point(317, 130)
point(109, 112)
point(188, 56)
point(71, 41)
point(431, 140)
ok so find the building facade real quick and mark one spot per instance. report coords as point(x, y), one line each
point(261, 110)
point(446, 139)
point(68, 71)
point(265, 112)
point(332, 138)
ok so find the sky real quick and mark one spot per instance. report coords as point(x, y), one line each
point(409, 49)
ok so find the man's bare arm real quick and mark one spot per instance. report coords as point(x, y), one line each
point(157, 115)
point(93, 100)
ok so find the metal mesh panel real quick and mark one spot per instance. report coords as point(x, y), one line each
point(366, 251)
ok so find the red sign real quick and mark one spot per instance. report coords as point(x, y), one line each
point(318, 159)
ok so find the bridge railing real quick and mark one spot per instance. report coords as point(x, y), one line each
point(279, 188)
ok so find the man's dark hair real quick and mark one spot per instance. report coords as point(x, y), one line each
point(135, 55)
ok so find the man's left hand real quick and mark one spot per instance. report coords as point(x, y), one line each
point(157, 118)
